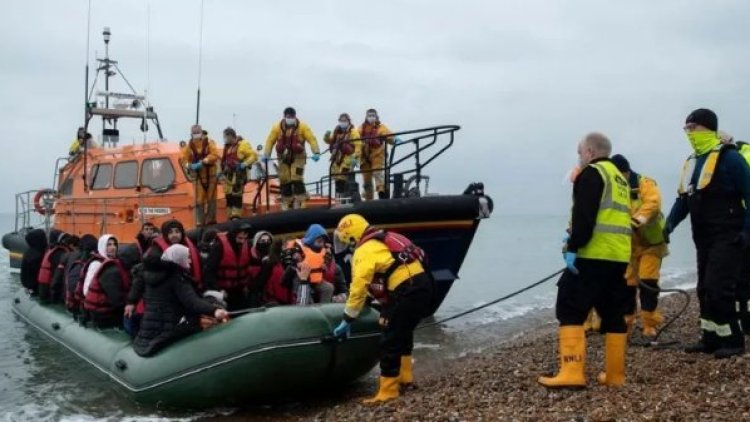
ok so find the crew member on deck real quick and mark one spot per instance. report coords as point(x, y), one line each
point(344, 154)
point(289, 137)
point(374, 135)
point(596, 255)
point(76, 147)
point(236, 159)
point(200, 158)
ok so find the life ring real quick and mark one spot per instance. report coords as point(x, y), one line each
point(43, 200)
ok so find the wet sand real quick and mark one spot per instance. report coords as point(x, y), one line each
point(500, 384)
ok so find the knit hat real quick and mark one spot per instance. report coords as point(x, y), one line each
point(621, 163)
point(705, 118)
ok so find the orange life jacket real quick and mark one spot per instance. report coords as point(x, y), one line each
point(341, 144)
point(288, 140)
point(233, 271)
point(195, 258)
point(316, 261)
point(96, 299)
point(370, 131)
point(46, 271)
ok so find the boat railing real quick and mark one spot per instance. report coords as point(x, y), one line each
point(421, 146)
point(27, 216)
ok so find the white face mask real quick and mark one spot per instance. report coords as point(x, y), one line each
point(343, 125)
point(197, 135)
point(290, 122)
point(372, 119)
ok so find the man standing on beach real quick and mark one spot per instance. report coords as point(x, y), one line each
point(714, 189)
point(596, 255)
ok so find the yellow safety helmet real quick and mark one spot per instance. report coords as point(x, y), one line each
point(349, 230)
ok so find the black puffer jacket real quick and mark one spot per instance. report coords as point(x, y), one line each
point(32, 259)
point(169, 296)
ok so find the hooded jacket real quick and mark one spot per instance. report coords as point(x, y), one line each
point(86, 247)
point(210, 274)
point(51, 292)
point(32, 259)
point(111, 282)
point(169, 296)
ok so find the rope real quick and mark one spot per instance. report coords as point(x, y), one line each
point(685, 294)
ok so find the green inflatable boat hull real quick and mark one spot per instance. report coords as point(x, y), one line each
point(273, 352)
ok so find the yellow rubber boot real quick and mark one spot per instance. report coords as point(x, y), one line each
point(388, 390)
point(614, 358)
point(572, 359)
point(406, 376)
point(651, 320)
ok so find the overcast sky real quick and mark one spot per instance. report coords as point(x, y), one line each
point(525, 79)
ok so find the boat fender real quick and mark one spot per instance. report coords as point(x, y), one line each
point(121, 365)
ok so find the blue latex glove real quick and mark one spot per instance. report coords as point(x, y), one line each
point(241, 166)
point(316, 157)
point(196, 166)
point(570, 260)
point(398, 141)
point(344, 330)
point(355, 163)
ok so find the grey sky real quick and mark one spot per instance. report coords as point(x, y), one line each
point(525, 79)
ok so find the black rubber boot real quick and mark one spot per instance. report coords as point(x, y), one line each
point(708, 343)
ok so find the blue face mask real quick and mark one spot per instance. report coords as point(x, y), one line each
point(290, 122)
point(343, 125)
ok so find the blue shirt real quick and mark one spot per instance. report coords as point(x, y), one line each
point(732, 175)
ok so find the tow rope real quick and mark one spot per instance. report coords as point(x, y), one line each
point(655, 341)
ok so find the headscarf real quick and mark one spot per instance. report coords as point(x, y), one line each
point(177, 254)
point(95, 265)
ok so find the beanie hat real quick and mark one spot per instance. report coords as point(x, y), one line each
point(705, 118)
point(621, 163)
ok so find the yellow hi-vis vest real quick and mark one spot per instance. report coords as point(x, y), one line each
point(744, 149)
point(611, 240)
point(651, 233)
point(707, 172)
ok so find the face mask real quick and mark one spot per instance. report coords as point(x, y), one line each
point(290, 122)
point(703, 141)
point(197, 136)
point(371, 119)
point(263, 248)
point(343, 125)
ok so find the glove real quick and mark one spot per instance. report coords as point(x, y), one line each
point(241, 166)
point(327, 136)
point(355, 163)
point(570, 260)
point(398, 141)
point(196, 166)
point(316, 157)
point(343, 330)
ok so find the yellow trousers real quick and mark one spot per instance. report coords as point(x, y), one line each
point(373, 167)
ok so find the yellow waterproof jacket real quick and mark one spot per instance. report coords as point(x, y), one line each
point(371, 258)
point(245, 154)
point(304, 132)
point(354, 134)
point(75, 147)
point(649, 206)
point(203, 150)
point(365, 130)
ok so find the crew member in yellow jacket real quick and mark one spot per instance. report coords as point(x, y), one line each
point(345, 148)
point(649, 248)
point(402, 287)
point(237, 158)
point(289, 137)
point(375, 135)
point(200, 157)
point(76, 147)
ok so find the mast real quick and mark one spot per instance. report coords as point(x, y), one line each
point(200, 63)
point(86, 103)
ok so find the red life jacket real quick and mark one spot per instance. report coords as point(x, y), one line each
point(329, 273)
point(195, 258)
point(78, 294)
point(289, 140)
point(196, 155)
point(96, 299)
point(341, 144)
point(404, 253)
point(370, 131)
point(229, 158)
point(46, 271)
point(275, 289)
point(233, 271)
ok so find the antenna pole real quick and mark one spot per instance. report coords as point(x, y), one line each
point(148, 67)
point(85, 103)
point(200, 63)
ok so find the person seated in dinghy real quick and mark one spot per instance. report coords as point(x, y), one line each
point(105, 286)
point(280, 288)
point(173, 233)
point(228, 265)
point(309, 253)
point(334, 274)
point(172, 308)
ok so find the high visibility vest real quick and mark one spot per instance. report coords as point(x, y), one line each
point(651, 233)
point(611, 239)
point(707, 172)
point(744, 150)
